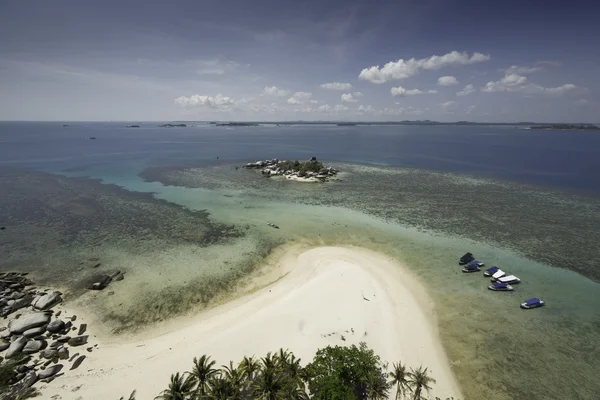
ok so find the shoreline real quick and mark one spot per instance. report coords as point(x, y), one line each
point(302, 300)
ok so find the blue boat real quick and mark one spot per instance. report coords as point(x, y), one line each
point(501, 287)
point(490, 271)
point(473, 266)
point(532, 303)
point(467, 258)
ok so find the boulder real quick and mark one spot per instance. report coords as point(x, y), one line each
point(78, 341)
point(49, 354)
point(4, 344)
point(16, 346)
point(50, 371)
point(33, 346)
point(82, 329)
point(29, 321)
point(63, 353)
point(33, 332)
point(47, 301)
point(78, 362)
point(56, 326)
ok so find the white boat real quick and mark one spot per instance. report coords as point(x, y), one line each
point(498, 274)
point(509, 279)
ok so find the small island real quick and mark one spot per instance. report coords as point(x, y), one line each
point(308, 171)
point(132, 126)
point(567, 127)
point(173, 126)
point(237, 124)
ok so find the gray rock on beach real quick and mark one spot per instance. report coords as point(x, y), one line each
point(47, 301)
point(78, 341)
point(33, 332)
point(56, 326)
point(33, 346)
point(16, 346)
point(29, 321)
point(49, 354)
point(50, 371)
point(4, 344)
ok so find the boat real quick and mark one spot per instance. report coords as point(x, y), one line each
point(498, 274)
point(491, 271)
point(500, 287)
point(272, 225)
point(509, 279)
point(471, 267)
point(532, 303)
point(467, 258)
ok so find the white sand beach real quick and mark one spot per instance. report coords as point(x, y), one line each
point(322, 294)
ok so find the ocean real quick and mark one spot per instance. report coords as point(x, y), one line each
point(169, 207)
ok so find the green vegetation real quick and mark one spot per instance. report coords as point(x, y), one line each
point(335, 373)
point(9, 382)
point(297, 166)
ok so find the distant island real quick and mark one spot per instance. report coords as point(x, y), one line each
point(567, 127)
point(308, 171)
point(237, 124)
point(173, 126)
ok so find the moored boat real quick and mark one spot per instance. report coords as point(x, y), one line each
point(498, 274)
point(467, 258)
point(509, 280)
point(471, 267)
point(491, 271)
point(532, 303)
point(500, 287)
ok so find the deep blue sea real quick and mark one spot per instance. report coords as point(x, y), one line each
point(561, 159)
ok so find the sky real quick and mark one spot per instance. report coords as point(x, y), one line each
point(276, 60)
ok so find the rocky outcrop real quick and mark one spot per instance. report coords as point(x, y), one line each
point(47, 301)
point(29, 321)
point(311, 170)
point(15, 347)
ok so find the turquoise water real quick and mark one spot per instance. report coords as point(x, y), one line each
point(422, 217)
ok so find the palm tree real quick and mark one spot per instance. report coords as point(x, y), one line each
point(269, 383)
point(233, 375)
point(202, 371)
point(282, 356)
point(180, 388)
point(400, 377)
point(249, 366)
point(420, 380)
point(221, 388)
point(378, 387)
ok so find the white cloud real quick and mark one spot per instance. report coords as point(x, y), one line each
point(314, 101)
point(340, 107)
point(218, 101)
point(561, 89)
point(402, 69)
point(447, 81)
point(351, 97)
point(469, 109)
point(448, 106)
point(582, 102)
point(275, 91)
point(400, 91)
point(467, 90)
point(325, 108)
point(336, 86)
point(299, 98)
point(515, 69)
point(517, 83)
point(513, 80)
point(366, 110)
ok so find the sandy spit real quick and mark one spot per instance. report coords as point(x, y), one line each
point(317, 297)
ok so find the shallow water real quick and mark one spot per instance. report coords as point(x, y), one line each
point(424, 218)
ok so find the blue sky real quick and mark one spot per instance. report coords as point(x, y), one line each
point(312, 60)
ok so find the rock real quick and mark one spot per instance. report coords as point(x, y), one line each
point(33, 332)
point(73, 357)
point(4, 344)
point(56, 326)
point(47, 301)
point(78, 341)
point(73, 318)
point(29, 321)
point(16, 346)
point(119, 277)
point(63, 353)
point(33, 346)
point(89, 349)
point(78, 362)
point(50, 371)
point(58, 313)
point(49, 353)
point(29, 380)
point(63, 339)
point(82, 329)
point(5, 334)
